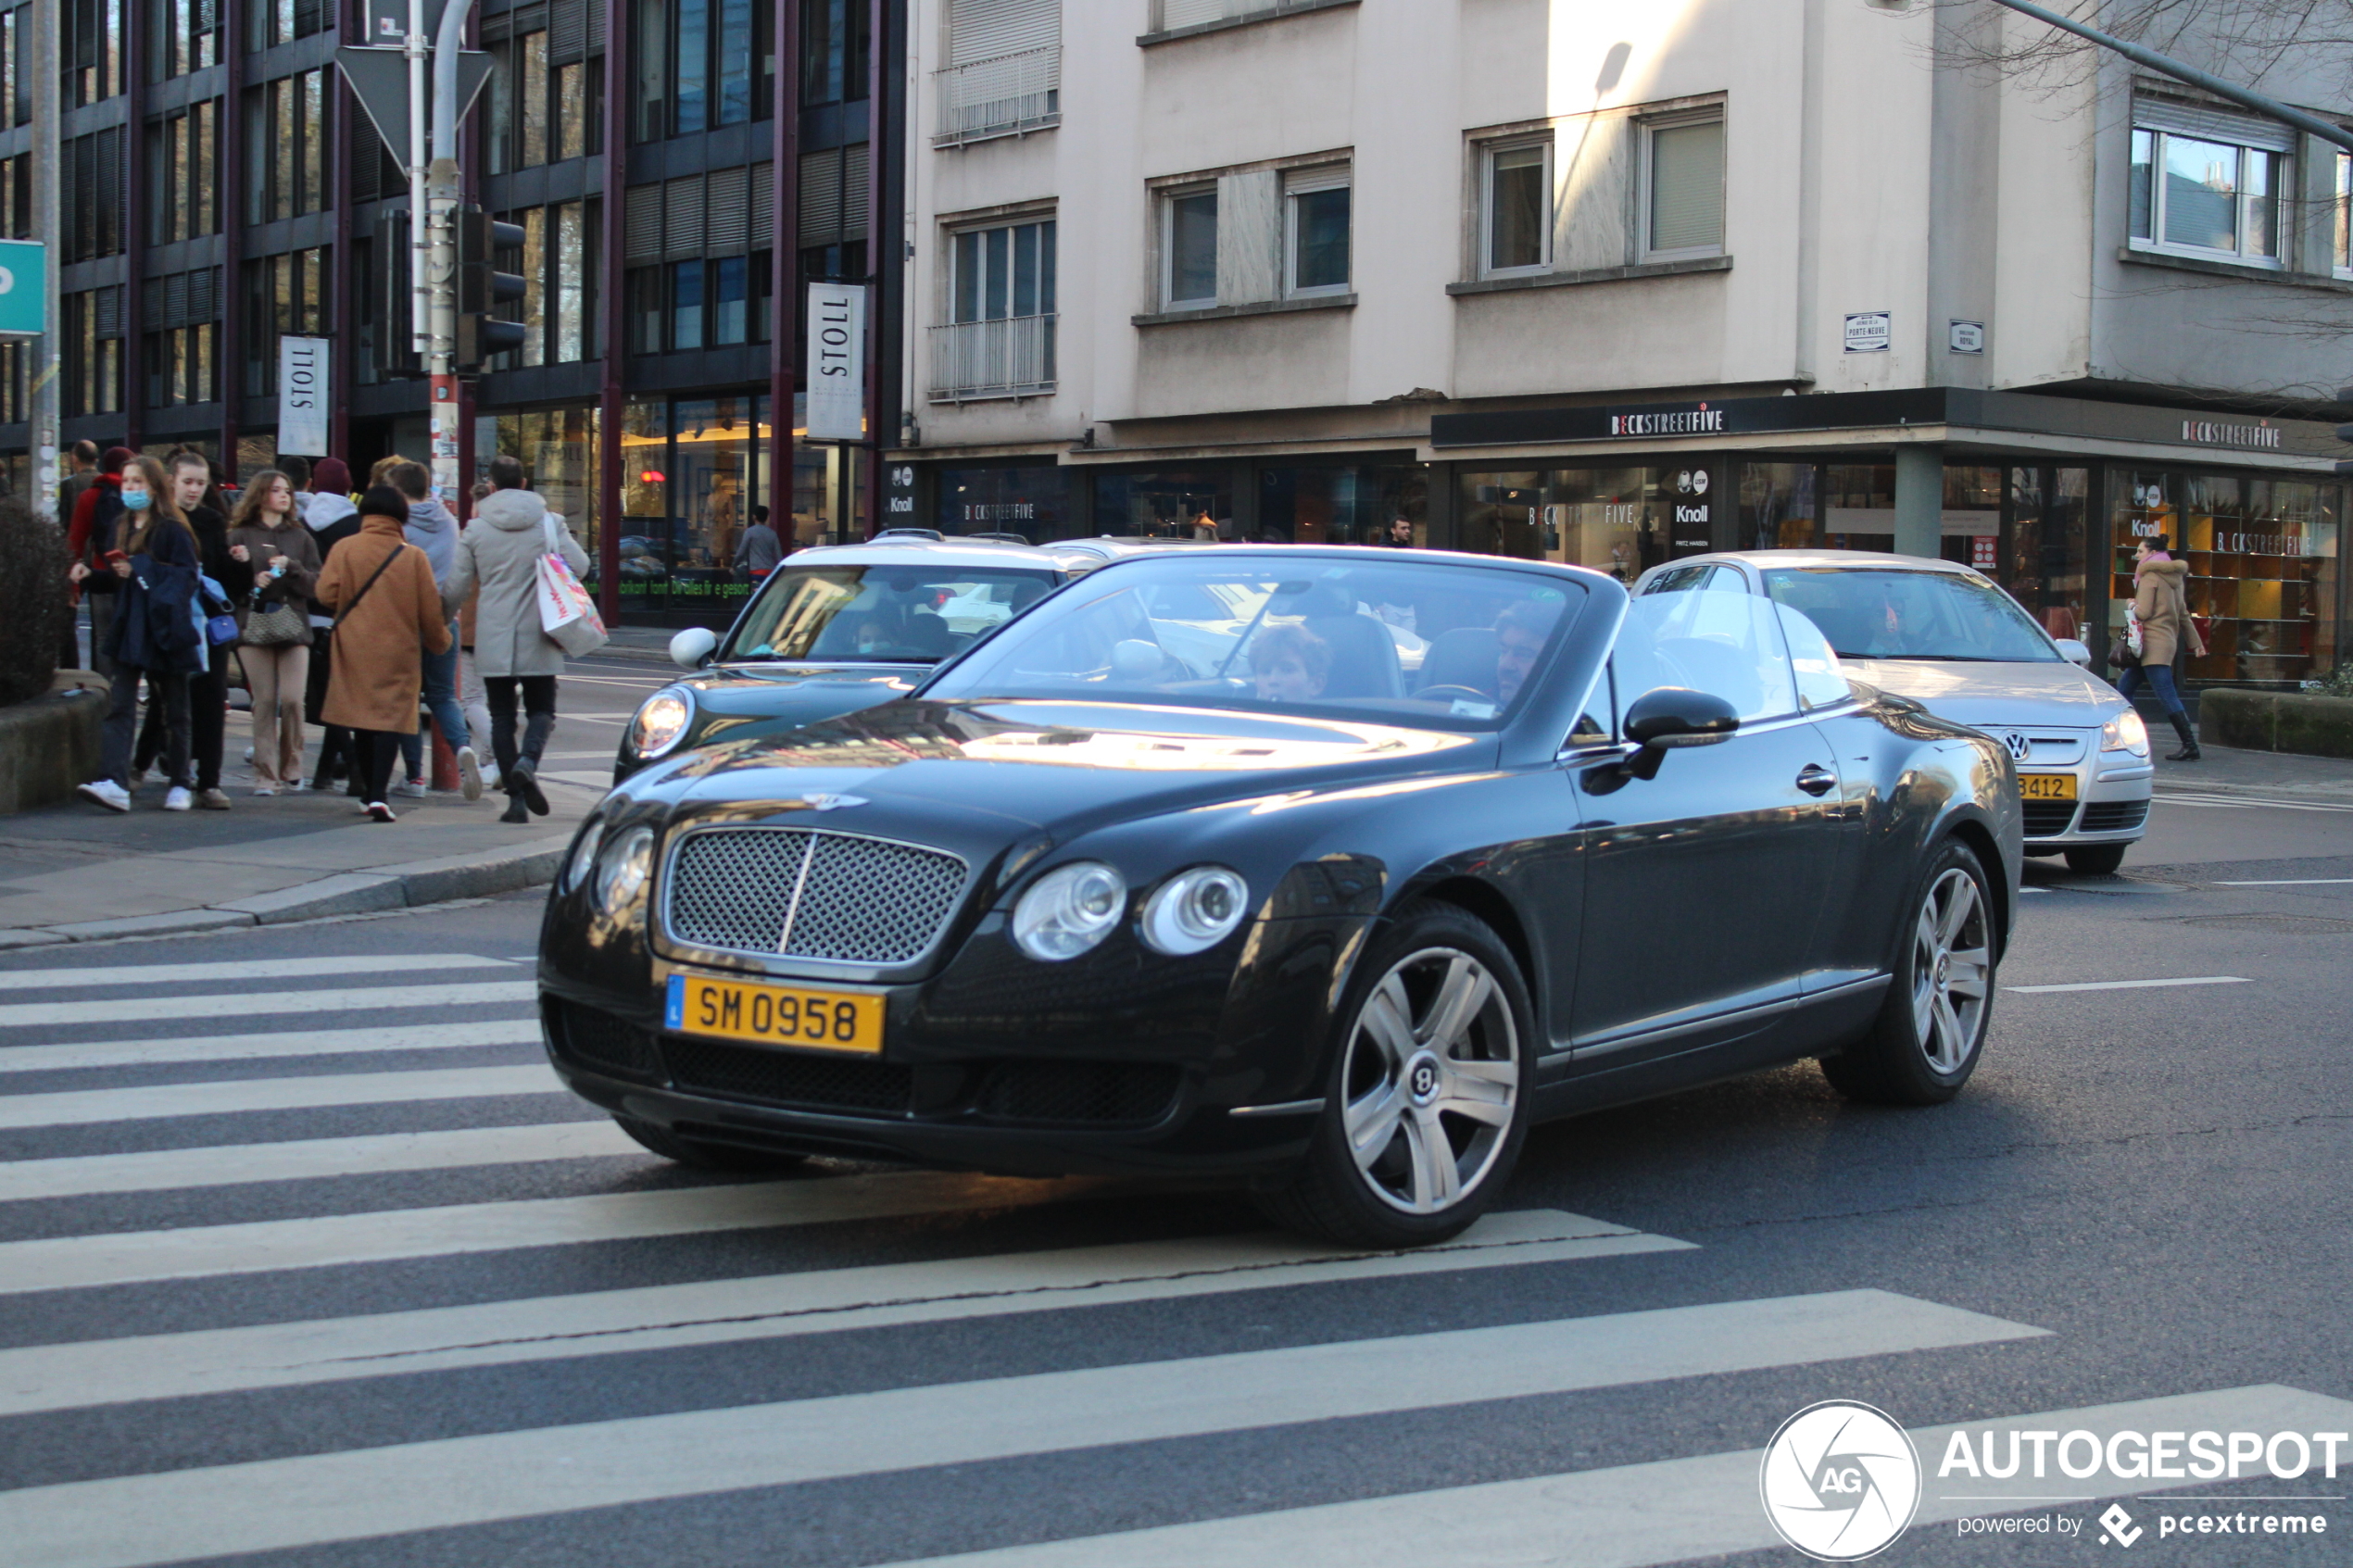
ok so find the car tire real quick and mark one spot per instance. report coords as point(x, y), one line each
point(703, 1156)
point(2096, 860)
point(1929, 1034)
point(1432, 1067)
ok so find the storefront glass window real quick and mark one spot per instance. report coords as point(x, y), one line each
point(645, 506)
point(2263, 568)
point(1170, 503)
point(557, 449)
point(2043, 566)
point(1859, 502)
point(1032, 502)
point(1618, 522)
point(1971, 527)
point(1779, 507)
point(1358, 505)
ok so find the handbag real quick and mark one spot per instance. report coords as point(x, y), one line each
point(217, 613)
point(276, 624)
point(567, 615)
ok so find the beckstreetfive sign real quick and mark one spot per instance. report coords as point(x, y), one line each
point(1702, 420)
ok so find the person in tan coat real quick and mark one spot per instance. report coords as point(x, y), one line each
point(2160, 604)
point(387, 614)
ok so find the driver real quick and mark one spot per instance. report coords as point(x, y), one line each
point(1291, 664)
point(1520, 632)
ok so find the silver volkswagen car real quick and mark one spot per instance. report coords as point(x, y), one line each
point(1952, 641)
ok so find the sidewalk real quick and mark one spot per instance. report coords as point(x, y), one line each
point(76, 873)
point(2276, 774)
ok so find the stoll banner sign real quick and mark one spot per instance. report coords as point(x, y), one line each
point(304, 395)
point(24, 288)
point(836, 380)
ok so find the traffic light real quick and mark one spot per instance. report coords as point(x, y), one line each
point(482, 288)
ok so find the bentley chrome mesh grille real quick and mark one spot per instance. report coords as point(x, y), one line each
point(810, 894)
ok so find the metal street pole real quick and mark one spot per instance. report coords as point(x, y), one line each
point(443, 195)
point(417, 51)
point(49, 348)
point(2310, 124)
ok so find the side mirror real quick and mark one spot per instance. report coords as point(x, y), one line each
point(690, 649)
point(1671, 719)
point(2075, 652)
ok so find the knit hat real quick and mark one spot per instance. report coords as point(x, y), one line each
point(330, 477)
point(382, 500)
point(115, 459)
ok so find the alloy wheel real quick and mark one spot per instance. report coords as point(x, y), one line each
point(1431, 1081)
point(1952, 970)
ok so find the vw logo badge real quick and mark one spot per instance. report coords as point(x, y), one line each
point(2021, 748)
point(1840, 1481)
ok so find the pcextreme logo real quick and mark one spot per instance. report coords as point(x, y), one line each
point(1840, 1480)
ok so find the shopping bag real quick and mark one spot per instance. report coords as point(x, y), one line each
point(566, 612)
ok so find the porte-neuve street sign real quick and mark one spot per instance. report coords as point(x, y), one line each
point(24, 287)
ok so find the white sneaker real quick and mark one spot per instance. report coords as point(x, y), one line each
point(177, 799)
point(107, 793)
point(415, 789)
point(249, 754)
point(470, 781)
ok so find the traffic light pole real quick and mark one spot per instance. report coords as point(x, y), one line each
point(442, 196)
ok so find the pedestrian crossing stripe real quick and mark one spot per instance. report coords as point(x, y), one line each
point(244, 973)
point(81, 1107)
point(274, 1504)
point(766, 1307)
point(1635, 1516)
point(167, 1051)
point(127, 1010)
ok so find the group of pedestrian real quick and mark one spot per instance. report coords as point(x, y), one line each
point(340, 614)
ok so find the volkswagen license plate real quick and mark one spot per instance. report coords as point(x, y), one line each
point(774, 1015)
point(2047, 786)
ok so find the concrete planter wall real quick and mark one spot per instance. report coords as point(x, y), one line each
point(48, 746)
point(2316, 726)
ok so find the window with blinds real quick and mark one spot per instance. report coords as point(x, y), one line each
point(1170, 15)
point(1685, 165)
point(1004, 75)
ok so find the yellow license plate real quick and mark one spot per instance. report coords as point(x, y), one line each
point(775, 1015)
point(2047, 786)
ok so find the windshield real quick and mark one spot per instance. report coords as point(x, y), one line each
point(1413, 643)
point(894, 614)
point(1870, 614)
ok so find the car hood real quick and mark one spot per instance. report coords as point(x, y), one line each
point(1977, 695)
point(804, 693)
point(1062, 766)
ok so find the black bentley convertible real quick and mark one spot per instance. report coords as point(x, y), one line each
point(1329, 869)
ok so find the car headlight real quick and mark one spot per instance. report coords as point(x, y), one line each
point(624, 867)
point(2125, 733)
point(1068, 910)
point(1195, 910)
point(661, 721)
point(584, 856)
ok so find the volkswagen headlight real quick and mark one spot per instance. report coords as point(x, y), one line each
point(1069, 911)
point(2125, 733)
point(1195, 910)
point(661, 721)
point(584, 856)
point(624, 867)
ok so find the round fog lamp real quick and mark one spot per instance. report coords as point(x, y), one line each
point(1195, 910)
point(624, 866)
point(660, 722)
point(584, 856)
point(1069, 911)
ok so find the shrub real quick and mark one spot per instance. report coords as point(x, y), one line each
point(2337, 683)
point(32, 587)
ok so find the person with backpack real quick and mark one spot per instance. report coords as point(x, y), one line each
point(499, 554)
point(267, 539)
point(387, 614)
point(193, 492)
point(152, 634)
point(84, 461)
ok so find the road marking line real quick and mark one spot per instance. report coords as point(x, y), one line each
point(2132, 985)
point(1637, 1515)
point(273, 1504)
point(2294, 881)
point(126, 1010)
point(165, 1169)
point(79, 1262)
point(248, 971)
point(276, 1043)
point(769, 1307)
point(148, 1102)
point(2242, 802)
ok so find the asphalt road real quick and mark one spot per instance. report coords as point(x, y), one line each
point(302, 1261)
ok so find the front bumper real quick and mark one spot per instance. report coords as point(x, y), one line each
point(2112, 788)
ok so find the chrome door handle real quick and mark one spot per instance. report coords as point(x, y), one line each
point(1817, 780)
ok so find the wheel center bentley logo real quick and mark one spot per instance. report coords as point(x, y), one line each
point(1840, 1480)
point(2021, 748)
point(1421, 1080)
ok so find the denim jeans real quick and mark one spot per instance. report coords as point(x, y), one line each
point(441, 697)
point(2160, 680)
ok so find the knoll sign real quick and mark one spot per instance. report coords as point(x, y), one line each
point(1962, 410)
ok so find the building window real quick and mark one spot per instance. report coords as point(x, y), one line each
point(184, 176)
point(16, 108)
point(702, 64)
point(183, 341)
point(90, 194)
point(686, 304)
point(281, 22)
point(284, 294)
point(15, 199)
point(2209, 184)
point(1316, 210)
point(1003, 272)
point(834, 37)
point(1683, 178)
point(89, 50)
point(286, 147)
point(1189, 245)
point(93, 380)
point(1003, 72)
point(999, 338)
point(186, 37)
point(1515, 228)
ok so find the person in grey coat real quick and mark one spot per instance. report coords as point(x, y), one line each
point(498, 556)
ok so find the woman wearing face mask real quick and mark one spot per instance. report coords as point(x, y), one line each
point(192, 490)
point(154, 563)
point(268, 537)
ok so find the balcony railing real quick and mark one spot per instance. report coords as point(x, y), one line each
point(1006, 96)
point(1006, 358)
